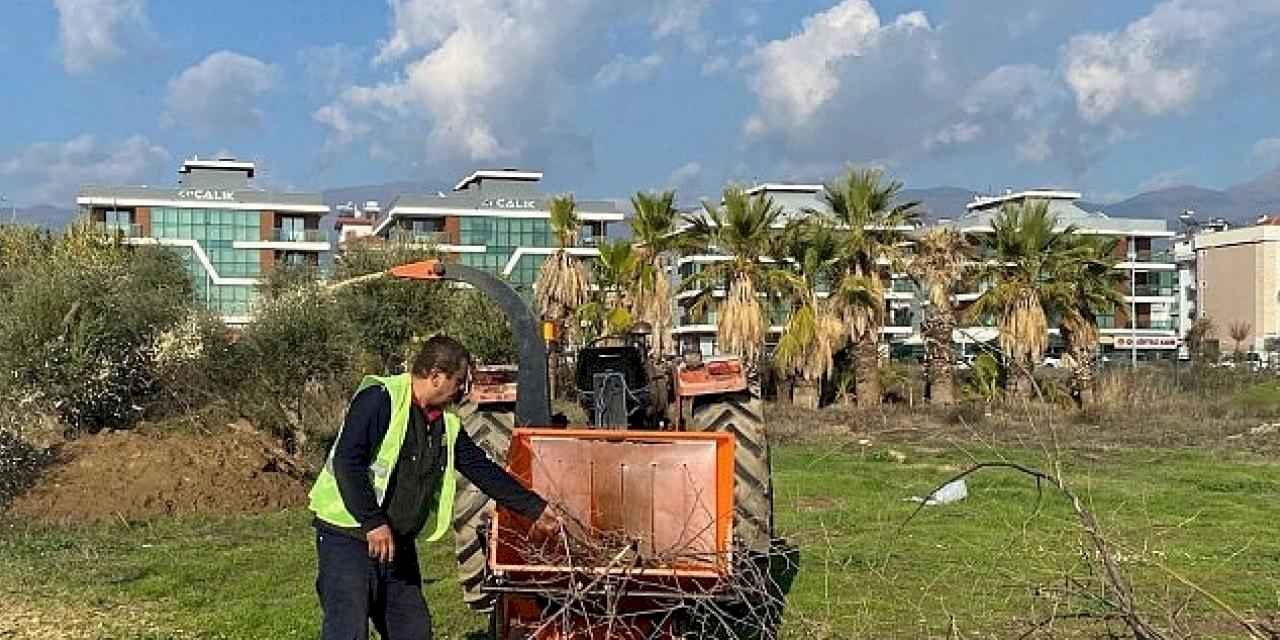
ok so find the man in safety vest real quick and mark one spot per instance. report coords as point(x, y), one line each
point(392, 466)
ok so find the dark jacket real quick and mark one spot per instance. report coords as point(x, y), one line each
point(415, 482)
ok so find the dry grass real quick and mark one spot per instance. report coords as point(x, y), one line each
point(1153, 407)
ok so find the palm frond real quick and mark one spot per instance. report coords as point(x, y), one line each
point(564, 220)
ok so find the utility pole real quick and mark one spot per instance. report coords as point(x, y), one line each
point(1133, 304)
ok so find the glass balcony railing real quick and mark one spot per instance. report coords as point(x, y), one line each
point(1153, 290)
point(904, 286)
point(1109, 322)
point(422, 237)
point(298, 235)
point(121, 229)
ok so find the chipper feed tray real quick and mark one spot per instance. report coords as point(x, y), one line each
point(658, 506)
point(660, 503)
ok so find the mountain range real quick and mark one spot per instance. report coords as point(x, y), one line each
point(1241, 203)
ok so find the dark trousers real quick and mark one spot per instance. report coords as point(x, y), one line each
point(355, 589)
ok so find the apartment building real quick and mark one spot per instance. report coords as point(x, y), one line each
point(493, 220)
point(698, 331)
point(228, 233)
point(1237, 276)
point(1147, 327)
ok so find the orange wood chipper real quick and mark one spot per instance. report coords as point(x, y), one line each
point(671, 480)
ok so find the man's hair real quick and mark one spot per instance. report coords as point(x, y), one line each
point(443, 354)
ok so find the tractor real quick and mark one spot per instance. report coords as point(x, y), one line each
point(639, 451)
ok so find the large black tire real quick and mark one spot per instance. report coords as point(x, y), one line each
point(742, 414)
point(491, 430)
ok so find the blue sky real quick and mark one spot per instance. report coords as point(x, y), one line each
point(1111, 98)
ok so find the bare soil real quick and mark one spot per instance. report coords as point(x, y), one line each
point(140, 474)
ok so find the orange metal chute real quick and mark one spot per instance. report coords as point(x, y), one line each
point(424, 270)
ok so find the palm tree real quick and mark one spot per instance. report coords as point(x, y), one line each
point(1088, 286)
point(942, 259)
point(813, 334)
point(872, 236)
point(653, 231)
point(610, 310)
point(1023, 253)
point(562, 284)
point(1239, 332)
point(743, 227)
point(1201, 330)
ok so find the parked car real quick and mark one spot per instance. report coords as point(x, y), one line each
point(1053, 362)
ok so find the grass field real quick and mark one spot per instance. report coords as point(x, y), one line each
point(989, 566)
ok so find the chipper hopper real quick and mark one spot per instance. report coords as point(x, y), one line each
point(676, 513)
point(659, 507)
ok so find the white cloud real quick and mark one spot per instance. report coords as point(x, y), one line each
point(1267, 150)
point(678, 17)
point(958, 133)
point(344, 129)
point(329, 66)
point(1035, 147)
point(715, 64)
point(1163, 61)
point(1167, 180)
point(799, 74)
point(1021, 92)
point(474, 81)
point(684, 175)
point(92, 31)
point(220, 94)
point(627, 70)
point(52, 172)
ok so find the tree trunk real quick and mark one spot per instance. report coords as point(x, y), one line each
point(804, 393)
point(1021, 382)
point(938, 366)
point(866, 375)
point(1083, 376)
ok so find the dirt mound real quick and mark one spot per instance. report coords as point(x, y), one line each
point(136, 475)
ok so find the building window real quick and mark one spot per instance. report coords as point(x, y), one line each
point(214, 231)
point(118, 221)
point(293, 229)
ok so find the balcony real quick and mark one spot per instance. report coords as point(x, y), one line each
point(1110, 323)
point(421, 237)
point(1153, 290)
point(1149, 261)
point(294, 235)
point(119, 229)
point(288, 240)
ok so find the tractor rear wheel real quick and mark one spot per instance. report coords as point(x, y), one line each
point(490, 428)
point(742, 414)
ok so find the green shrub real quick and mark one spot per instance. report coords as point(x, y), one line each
point(984, 379)
point(20, 463)
point(481, 326)
point(299, 348)
point(387, 314)
point(195, 364)
point(78, 323)
point(1260, 400)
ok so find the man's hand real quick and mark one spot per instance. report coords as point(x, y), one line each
point(555, 519)
point(382, 544)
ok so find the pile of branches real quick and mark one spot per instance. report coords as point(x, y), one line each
point(618, 585)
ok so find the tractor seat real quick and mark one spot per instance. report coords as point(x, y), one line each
point(627, 360)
